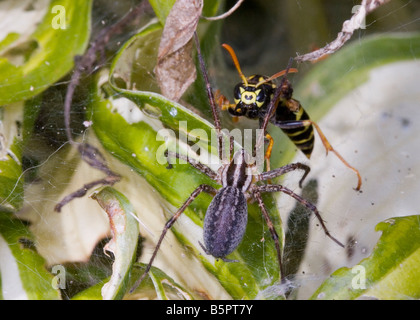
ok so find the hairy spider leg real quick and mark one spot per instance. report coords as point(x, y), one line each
point(283, 170)
point(272, 106)
point(306, 203)
point(198, 165)
point(168, 225)
point(273, 232)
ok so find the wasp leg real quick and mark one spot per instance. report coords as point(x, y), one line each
point(223, 103)
point(328, 147)
point(267, 155)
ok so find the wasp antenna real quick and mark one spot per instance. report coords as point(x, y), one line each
point(235, 62)
point(277, 75)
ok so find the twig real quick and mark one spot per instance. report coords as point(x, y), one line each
point(349, 26)
point(85, 64)
point(227, 13)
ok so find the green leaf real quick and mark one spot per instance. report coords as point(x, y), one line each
point(32, 64)
point(157, 285)
point(162, 8)
point(330, 80)
point(22, 269)
point(161, 282)
point(391, 272)
point(123, 245)
point(16, 125)
point(11, 182)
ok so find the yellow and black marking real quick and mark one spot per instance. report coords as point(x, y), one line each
point(252, 98)
point(302, 136)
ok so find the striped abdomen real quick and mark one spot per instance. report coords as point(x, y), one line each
point(301, 136)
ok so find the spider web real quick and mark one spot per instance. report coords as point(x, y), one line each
point(377, 135)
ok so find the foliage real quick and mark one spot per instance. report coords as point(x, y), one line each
point(120, 110)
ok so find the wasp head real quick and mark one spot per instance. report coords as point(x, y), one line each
point(252, 98)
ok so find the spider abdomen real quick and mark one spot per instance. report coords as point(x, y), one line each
point(225, 222)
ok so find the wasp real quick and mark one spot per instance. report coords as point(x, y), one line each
point(252, 97)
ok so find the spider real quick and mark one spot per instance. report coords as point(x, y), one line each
point(226, 217)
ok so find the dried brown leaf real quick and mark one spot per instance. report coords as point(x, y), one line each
point(175, 69)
